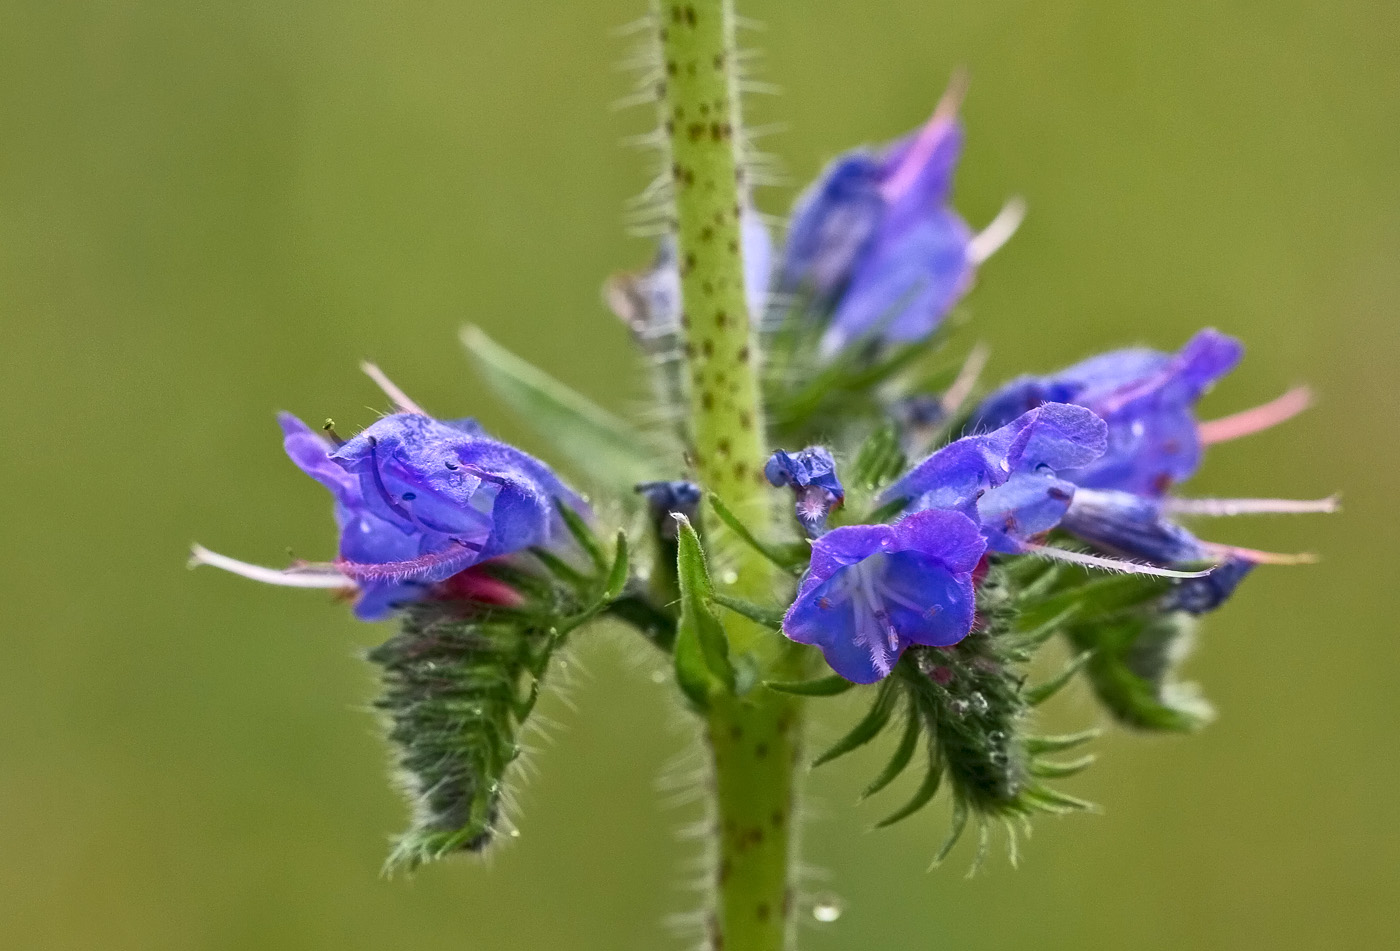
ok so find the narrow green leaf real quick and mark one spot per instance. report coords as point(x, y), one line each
point(1058, 744)
point(955, 832)
point(1052, 800)
point(822, 687)
point(773, 553)
point(984, 844)
point(922, 796)
point(757, 613)
point(583, 534)
point(693, 575)
point(1037, 695)
point(1041, 633)
point(1044, 769)
point(880, 458)
point(618, 573)
point(560, 568)
point(1100, 597)
point(692, 674)
point(902, 755)
point(599, 444)
point(867, 729)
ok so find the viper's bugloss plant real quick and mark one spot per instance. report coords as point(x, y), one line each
point(847, 517)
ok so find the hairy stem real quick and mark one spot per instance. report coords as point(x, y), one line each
point(754, 742)
point(753, 739)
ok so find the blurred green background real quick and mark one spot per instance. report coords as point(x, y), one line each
point(212, 210)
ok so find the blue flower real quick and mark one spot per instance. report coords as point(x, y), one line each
point(668, 499)
point(873, 590)
point(812, 474)
point(1146, 397)
point(874, 238)
point(1008, 481)
point(417, 501)
point(649, 301)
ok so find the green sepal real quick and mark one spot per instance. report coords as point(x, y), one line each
point(1133, 670)
point(700, 635)
point(792, 558)
point(1036, 745)
point(903, 753)
point(1048, 769)
point(933, 780)
point(821, 687)
point(561, 569)
point(867, 729)
point(880, 459)
point(955, 832)
point(1099, 597)
point(618, 573)
point(768, 617)
point(599, 444)
point(582, 533)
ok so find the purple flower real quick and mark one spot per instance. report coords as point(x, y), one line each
point(1008, 481)
point(1132, 526)
point(1203, 595)
point(417, 501)
point(1146, 397)
point(873, 590)
point(875, 240)
point(812, 474)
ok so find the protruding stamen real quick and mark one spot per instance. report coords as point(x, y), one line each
point(967, 378)
point(1257, 419)
point(307, 577)
point(1222, 507)
point(328, 427)
point(1110, 564)
point(399, 398)
point(1002, 228)
point(922, 148)
point(410, 568)
point(1261, 557)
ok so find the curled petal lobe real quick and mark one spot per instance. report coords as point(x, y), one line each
point(1008, 480)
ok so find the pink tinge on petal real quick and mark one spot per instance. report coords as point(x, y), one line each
point(475, 584)
point(1258, 419)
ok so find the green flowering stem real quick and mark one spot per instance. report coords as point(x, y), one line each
point(753, 738)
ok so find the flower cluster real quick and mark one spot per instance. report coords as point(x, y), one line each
point(921, 516)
